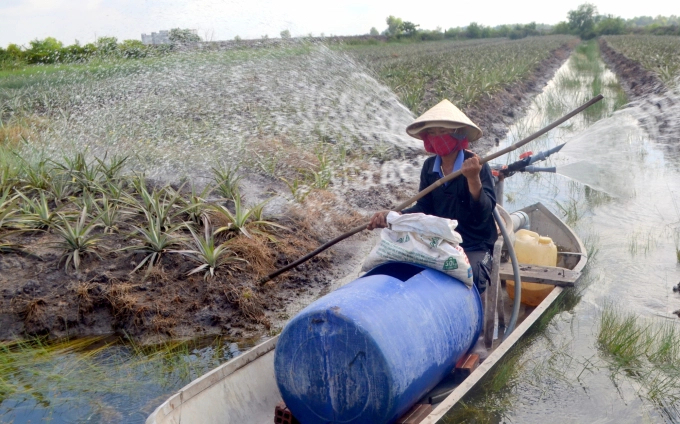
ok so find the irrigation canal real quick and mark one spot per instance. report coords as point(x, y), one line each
point(617, 186)
point(620, 191)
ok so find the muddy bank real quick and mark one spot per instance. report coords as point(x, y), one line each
point(112, 293)
point(655, 105)
point(495, 114)
point(39, 297)
point(635, 79)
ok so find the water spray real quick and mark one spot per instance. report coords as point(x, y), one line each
point(435, 185)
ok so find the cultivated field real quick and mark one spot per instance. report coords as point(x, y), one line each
point(659, 54)
point(464, 72)
point(151, 194)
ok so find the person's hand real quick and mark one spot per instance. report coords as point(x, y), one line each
point(471, 168)
point(378, 220)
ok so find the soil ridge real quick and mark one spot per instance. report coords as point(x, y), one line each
point(637, 81)
point(497, 112)
point(656, 103)
point(40, 299)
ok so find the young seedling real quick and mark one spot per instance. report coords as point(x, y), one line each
point(37, 213)
point(8, 207)
point(112, 169)
point(242, 218)
point(205, 251)
point(77, 240)
point(226, 181)
point(61, 188)
point(162, 204)
point(299, 191)
point(155, 241)
point(87, 175)
point(195, 206)
point(36, 177)
point(108, 213)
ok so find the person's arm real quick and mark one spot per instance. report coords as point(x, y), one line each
point(424, 205)
point(483, 206)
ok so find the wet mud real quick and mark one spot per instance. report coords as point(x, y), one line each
point(496, 113)
point(634, 78)
point(39, 298)
point(657, 105)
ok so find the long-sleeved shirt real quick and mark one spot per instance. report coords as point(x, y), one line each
point(454, 201)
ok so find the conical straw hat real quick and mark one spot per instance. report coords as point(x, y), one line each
point(444, 115)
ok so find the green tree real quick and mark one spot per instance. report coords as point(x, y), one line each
point(285, 34)
point(133, 49)
point(107, 46)
point(74, 53)
point(582, 20)
point(561, 28)
point(409, 28)
point(503, 31)
point(610, 25)
point(374, 32)
point(394, 26)
point(473, 30)
point(453, 33)
point(44, 51)
point(183, 36)
point(15, 52)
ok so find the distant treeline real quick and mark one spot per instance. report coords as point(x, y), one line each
point(584, 22)
point(51, 50)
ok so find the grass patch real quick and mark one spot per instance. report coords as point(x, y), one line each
point(644, 350)
point(642, 241)
point(81, 375)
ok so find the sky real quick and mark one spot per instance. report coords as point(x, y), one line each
point(84, 20)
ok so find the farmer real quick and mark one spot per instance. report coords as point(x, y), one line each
point(469, 199)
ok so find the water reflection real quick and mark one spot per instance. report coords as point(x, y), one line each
point(620, 191)
point(101, 379)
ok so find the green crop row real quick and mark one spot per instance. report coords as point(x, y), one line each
point(463, 72)
point(659, 54)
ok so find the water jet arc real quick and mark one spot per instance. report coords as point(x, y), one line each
point(432, 187)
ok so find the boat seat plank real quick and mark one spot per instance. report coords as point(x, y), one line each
point(541, 274)
point(492, 293)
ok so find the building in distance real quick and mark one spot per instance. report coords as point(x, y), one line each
point(160, 37)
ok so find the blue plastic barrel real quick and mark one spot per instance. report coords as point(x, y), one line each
point(368, 351)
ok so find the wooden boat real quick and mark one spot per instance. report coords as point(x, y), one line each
point(244, 390)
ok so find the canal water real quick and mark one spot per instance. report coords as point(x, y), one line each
point(619, 188)
point(616, 185)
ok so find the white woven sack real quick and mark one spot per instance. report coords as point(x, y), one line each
point(425, 240)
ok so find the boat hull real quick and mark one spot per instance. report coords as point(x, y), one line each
point(244, 390)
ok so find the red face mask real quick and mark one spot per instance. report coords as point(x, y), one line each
point(444, 144)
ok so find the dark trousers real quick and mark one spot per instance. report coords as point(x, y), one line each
point(480, 260)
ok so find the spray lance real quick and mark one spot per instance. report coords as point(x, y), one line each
point(525, 164)
point(432, 187)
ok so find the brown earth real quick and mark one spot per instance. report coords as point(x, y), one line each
point(635, 79)
point(39, 297)
point(496, 113)
point(658, 105)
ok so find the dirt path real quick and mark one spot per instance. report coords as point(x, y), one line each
point(38, 297)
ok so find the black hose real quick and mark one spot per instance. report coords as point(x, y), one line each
point(515, 270)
